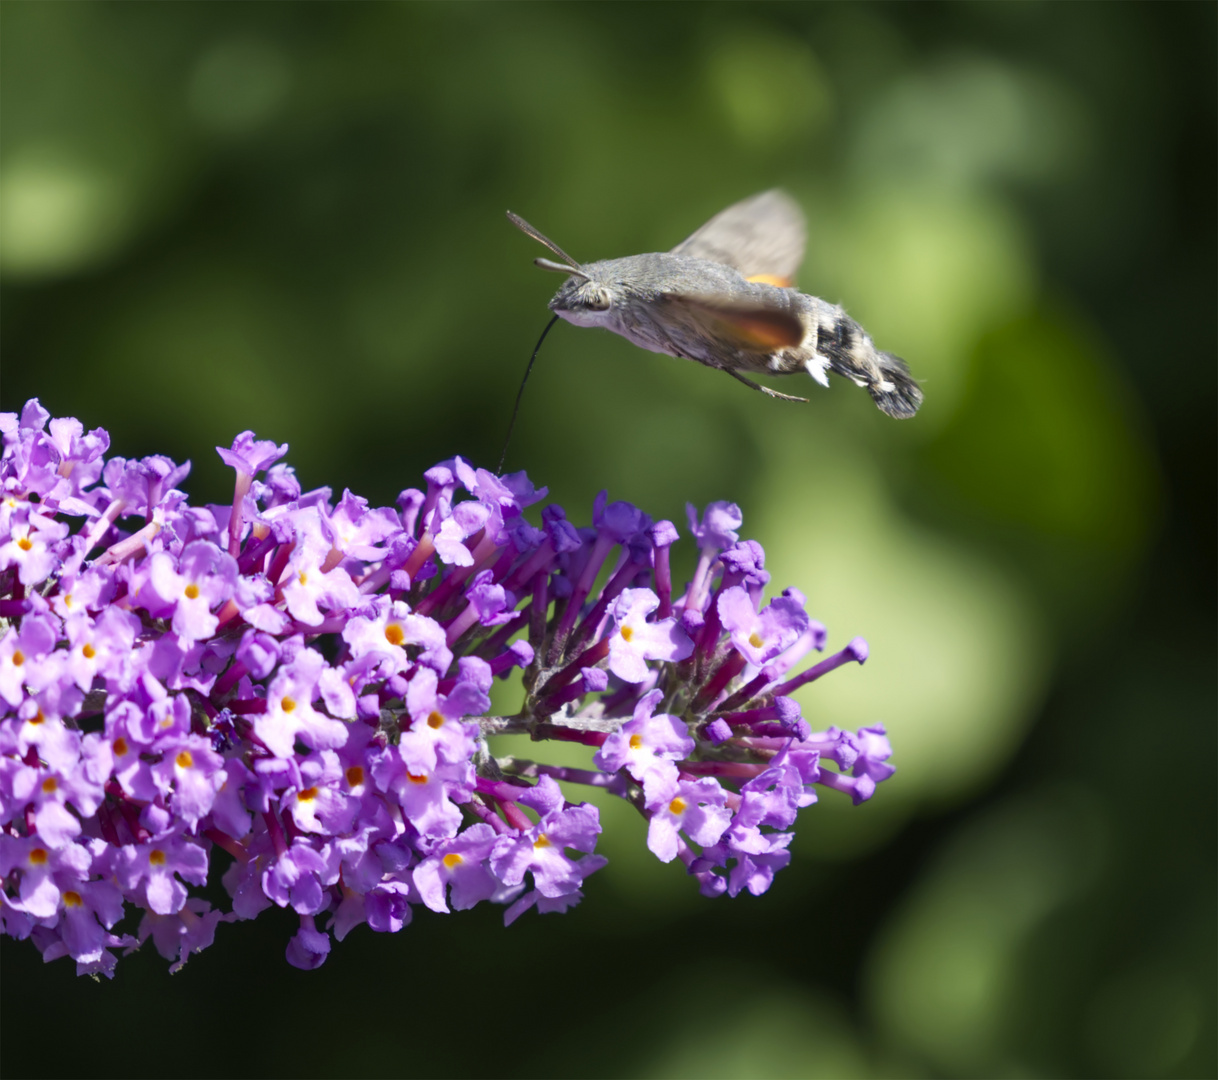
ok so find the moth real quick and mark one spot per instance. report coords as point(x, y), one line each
point(725, 297)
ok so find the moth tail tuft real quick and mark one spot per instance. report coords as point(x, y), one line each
point(852, 354)
point(895, 391)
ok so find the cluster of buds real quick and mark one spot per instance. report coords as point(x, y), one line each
point(299, 688)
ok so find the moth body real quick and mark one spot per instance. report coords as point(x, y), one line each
point(704, 301)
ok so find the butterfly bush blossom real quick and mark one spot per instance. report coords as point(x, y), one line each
point(296, 688)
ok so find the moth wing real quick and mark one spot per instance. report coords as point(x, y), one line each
point(763, 237)
point(753, 327)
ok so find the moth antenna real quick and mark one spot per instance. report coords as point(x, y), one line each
point(562, 268)
point(520, 394)
point(528, 230)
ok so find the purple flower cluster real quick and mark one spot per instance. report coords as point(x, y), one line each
point(303, 684)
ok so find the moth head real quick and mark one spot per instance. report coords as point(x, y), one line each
point(581, 300)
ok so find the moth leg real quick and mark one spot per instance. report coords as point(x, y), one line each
point(764, 389)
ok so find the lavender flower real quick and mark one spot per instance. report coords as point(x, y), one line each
point(299, 687)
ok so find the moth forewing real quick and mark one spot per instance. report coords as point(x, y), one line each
point(753, 327)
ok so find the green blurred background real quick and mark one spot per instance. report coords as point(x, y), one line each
point(289, 217)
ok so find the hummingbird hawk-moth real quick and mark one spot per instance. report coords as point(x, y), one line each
point(725, 297)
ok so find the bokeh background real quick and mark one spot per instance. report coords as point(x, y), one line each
point(289, 217)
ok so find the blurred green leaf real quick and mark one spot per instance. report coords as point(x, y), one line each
point(1049, 442)
point(941, 978)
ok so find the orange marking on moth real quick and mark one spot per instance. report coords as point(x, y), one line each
point(771, 279)
point(764, 331)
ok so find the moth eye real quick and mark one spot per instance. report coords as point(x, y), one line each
point(598, 300)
